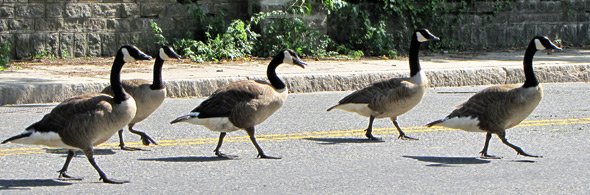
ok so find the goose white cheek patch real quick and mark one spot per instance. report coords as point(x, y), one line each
point(421, 37)
point(163, 55)
point(126, 56)
point(539, 45)
point(288, 59)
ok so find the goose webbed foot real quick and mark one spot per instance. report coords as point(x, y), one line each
point(485, 155)
point(405, 137)
point(112, 181)
point(370, 135)
point(529, 155)
point(222, 155)
point(63, 176)
point(264, 156)
point(127, 148)
point(145, 139)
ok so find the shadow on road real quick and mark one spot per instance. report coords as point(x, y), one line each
point(342, 140)
point(24, 184)
point(188, 159)
point(64, 152)
point(448, 161)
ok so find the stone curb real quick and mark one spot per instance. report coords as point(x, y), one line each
point(304, 83)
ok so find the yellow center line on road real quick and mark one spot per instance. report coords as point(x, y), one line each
point(299, 135)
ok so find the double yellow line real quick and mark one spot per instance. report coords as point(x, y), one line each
point(300, 135)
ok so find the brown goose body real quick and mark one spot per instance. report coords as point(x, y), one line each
point(394, 97)
point(84, 121)
point(386, 99)
point(243, 104)
point(495, 109)
point(148, 96)
point(148, 100)
point(498, 108)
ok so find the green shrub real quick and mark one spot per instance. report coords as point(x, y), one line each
point(43, 54)
point(158, 34)
point(281, 30)
point(236, 42)
point(4, 55)
point(354, 29)
point(355, 54)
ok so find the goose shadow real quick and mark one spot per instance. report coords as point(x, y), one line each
point(188, 159)
point(64, 152)
point(444, 161)
point(342, 140)
point(24, 184)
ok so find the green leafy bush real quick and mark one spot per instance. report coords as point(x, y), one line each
point(236, 42)
point(158, 34)
point(353, 28)
point(4, 55)
point(281, 30)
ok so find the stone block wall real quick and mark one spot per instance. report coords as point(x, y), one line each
point(486, 27)
point(77, 28)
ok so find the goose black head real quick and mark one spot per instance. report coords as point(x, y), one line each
point(423, 35)
point(543, 43)
point(130, 53)
point(290, 57)
point(166, 52)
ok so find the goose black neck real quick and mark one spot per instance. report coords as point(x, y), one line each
point(271, 73)
point(119, 94)
point(157, 82)
point(530, 78)
point(414, 62)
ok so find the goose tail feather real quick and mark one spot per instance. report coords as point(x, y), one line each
point(22, 135)
point(434, 123)
point(332, 107)
point(185, 117)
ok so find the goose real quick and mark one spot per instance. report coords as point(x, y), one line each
point(500, 107)
point(394, 97)
point(84, 121)
point(243, 104)
point(148, 96)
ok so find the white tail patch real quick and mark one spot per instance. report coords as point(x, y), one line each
point(362, 109)
point(50, 139)
point(219, 124)
point(463, 123)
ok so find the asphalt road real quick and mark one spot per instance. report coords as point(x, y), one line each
point(323, 152)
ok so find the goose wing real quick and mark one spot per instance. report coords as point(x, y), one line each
point(391, 89)
point(225, 99)
point(78, 109)
point(488, 101)
point(131, 86)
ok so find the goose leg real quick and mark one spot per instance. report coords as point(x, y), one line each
point(484, 151)
point(145, 139)
point(369, 130)
point(122, 143)
point(502, 136)
point(62, 173)
point(261, 154)
point(402, 135)
point(90, 155)
point(217, 152)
